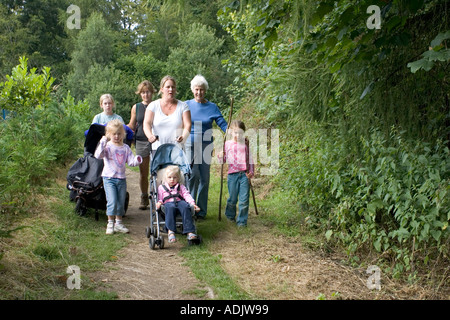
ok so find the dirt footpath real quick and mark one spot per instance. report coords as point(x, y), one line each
point(265, 265)
point(140, 273)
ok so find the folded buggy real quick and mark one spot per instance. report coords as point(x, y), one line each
point(165, 155)
point(84, 178)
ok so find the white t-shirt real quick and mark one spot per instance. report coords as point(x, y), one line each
point(167, 127)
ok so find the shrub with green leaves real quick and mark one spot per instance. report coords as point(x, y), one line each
point(393, 200)
point(38, 134)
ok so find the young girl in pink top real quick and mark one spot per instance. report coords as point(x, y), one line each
point(240, 170)
point(175, 197)
point(115, 155)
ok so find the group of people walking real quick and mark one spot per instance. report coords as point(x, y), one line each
point(169, 120)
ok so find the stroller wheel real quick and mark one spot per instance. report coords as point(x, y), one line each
point(148, 232)
point(161, 242)
point(152, 242)
point(80, 208)
point(197, 241)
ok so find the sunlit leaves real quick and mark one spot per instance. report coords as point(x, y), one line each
point(25, 89)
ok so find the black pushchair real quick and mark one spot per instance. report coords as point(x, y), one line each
point(165, 155)
point(84, 180)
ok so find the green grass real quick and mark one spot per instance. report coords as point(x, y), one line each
point(206, 265)
point(36, 258)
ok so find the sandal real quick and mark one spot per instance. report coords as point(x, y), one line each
point(172, 238)
point(191, 236)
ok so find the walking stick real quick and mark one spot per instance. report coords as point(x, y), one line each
point(248, 168)
point(223, 162)
point(253, 195)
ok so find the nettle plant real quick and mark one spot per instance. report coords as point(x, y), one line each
point(394, 200)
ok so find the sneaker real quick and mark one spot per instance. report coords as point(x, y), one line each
point(110, 228)
point(144, 202)
point(120, 228)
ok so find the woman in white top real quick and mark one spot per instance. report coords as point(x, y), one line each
point(167, 120)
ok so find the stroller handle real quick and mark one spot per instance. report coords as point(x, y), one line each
point(157, 138)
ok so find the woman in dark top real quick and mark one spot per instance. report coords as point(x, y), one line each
point(146, 91)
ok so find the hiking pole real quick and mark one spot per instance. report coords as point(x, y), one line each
point(247, 159)
point(223, 162)
point(253, 195)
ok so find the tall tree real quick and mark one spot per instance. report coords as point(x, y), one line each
point(198, 52)
point(95, 45)
point(45, 33)
point(33, 28)
point(13, 40)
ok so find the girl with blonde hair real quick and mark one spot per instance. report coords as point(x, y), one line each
point(176, 198)
point(107, 104)
point(115, 155)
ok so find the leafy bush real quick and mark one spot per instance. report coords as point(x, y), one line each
point(25, 90)
point(39, 134)
point(394, 200)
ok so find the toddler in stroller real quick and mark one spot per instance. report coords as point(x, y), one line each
point(170, 168)
point(176, 198)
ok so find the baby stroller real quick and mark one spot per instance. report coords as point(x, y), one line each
point(84, 180)
point(165, 155)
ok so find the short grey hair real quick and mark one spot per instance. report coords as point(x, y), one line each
point(199, 81)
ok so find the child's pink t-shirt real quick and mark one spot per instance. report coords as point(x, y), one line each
point(183, 192)
point(236, 157)
point(115, 158)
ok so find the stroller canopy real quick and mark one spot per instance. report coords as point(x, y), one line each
point(93, 136)
point(96, 132)
point(170, 154)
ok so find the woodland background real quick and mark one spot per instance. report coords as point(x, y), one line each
point(363, 114)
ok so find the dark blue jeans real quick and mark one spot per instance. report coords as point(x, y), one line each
point(199, 180)
point(182, 207)
point(238, 188)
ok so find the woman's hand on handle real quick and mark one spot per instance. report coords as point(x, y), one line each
point(153, 138)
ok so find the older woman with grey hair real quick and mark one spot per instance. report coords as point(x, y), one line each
point(203, 114)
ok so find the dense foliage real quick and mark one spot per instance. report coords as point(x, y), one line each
point(39, 133)
point(366, 115)
point(363, 112)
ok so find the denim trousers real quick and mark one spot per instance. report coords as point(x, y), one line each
point(238, 188)
point(116, 193)
point(171, 209)
point(199, 180)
